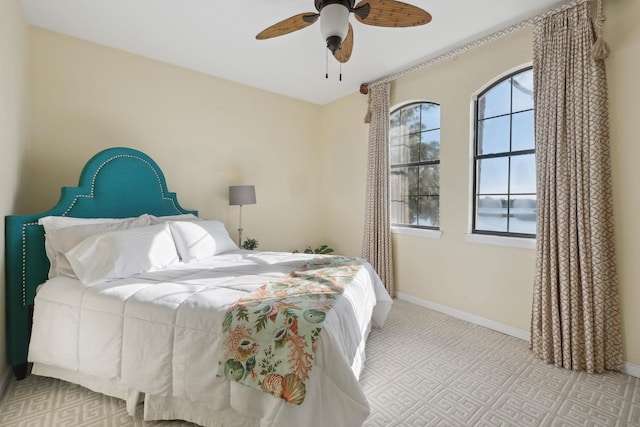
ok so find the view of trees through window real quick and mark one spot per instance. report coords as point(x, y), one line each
point(414, 149)
point(505, 171)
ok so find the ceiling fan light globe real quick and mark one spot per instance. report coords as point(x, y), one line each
point(334, 21)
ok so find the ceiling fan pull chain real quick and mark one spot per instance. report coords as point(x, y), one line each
point(326, 64)
point(340, 71)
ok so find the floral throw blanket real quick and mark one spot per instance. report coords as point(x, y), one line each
point(270, 336)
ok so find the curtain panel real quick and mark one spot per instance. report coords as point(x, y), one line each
point(575, 314)
point(376, 243)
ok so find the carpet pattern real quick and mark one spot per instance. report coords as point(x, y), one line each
point(423, 368)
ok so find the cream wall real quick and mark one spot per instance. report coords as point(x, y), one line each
point(493, 282)
point(344, 162)
point(204, 132)
point(475, 278)
point(14, 129)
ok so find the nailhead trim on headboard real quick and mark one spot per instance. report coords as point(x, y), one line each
point(99, 168)
point(24, 262)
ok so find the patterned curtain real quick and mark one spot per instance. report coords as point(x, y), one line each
point(376, 243)
point(575, 315)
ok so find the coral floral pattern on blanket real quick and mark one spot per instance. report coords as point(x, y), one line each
point(270, 337)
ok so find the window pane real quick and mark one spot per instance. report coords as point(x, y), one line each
point(523, 91)
point(496, 102)
point(414, 147)
point(397, 211)
point(430, 145)
point(429, 184)
point(493, 176)
point(395, 150)
point(399, 195)
point(523, 214)
point(523, 174)
point(429, 211)
point(413, 210)
point(430, 116)
point(400, 150)
point(398, 183)
point(523, 132)
point(492, 213)
point(493, 135)
point(394, 124)
point(412, 188)
point(411, 119)
point(413, 180)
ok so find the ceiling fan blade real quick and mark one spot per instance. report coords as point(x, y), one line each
point(289, 25)
point(344, 53)
point(390, 13)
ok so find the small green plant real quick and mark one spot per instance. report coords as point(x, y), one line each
point(323, 250)
point(250, 244)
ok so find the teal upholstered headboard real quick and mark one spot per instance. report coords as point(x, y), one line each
point(115, 183)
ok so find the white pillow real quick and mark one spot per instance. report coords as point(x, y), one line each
point(180, 217)
point(62, 240)
point(56, 246)
point(119, 254)
point(200, 239)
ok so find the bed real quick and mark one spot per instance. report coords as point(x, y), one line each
point(163, 325)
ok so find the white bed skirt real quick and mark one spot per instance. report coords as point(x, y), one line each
point(309, 414)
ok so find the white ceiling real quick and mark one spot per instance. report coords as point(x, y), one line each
point(218, 37)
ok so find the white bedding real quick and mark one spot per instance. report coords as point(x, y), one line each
point(159, 334)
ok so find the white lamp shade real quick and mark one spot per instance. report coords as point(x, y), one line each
point(242, 195)
point(334, 21)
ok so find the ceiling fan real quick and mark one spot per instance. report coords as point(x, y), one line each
point(335, 26)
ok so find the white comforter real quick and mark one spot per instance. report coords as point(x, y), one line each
point(159, 334)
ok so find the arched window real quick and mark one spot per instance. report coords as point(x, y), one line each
point(504, 158)
point(414, 149)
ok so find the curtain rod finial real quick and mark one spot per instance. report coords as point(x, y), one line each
point(364, 89)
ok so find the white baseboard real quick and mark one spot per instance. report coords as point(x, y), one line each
point(628, 367)
point(5, 379)
point(472, 318)
point(631, 369)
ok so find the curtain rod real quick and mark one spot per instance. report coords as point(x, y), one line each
point(364, 88)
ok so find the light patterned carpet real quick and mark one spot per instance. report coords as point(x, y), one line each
point(423, 369)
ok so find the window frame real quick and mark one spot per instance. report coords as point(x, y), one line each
point(505, 154)
point(410, 229)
